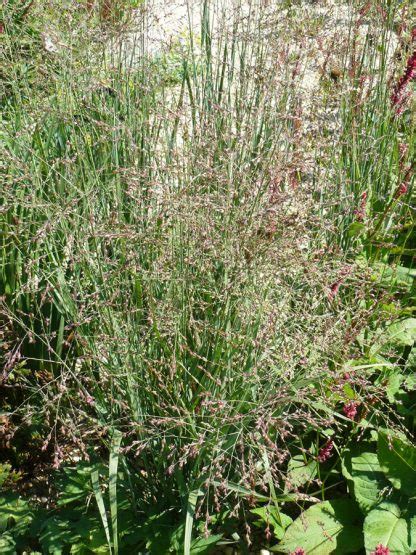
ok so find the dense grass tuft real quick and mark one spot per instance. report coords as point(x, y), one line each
point(207, 288)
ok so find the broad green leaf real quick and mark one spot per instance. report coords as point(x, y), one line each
point(74, 483)
point(328, 527)
point(411, 364)
point(201, 546)
point(270, 515)
point(7, 544)
point(394, 383)
point(363, 472)
point(387, 274)
point(15, 513)
point(411, 518)
point(384, 525)
point(98, 541)
point(397, 459)
point(356, 229)
point(299, 472)
point(56, 535)
point(399, 334)
point(79, 549)
point(5, 470)
point(403, 332)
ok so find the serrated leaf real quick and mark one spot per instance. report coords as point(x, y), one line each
point(384, 525)
point(394, 384)
point(7, 544)
point(5, 471)
point(79, 549)
point(356, 229)
point(411, 365)
point(270, 516)
point(365, 476)
point(397, 459)
point(394, 275)
point(98, 541)
point(74, 483)
point(403, 332)
point(201, 546)
point(15, 513)
point(399, 334)
point(328, 527)
point(411, 517)
point(299, 472)
point(56, 535)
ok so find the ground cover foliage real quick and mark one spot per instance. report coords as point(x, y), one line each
point(206, 278)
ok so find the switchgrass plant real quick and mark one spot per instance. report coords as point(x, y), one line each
point(169, 296)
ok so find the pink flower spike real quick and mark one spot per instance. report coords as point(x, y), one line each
point(402, 189)
point(381, 550)
point(360, 212)
point(399, 93)
point(299, 551)
point(350, 410)
point(326, 452)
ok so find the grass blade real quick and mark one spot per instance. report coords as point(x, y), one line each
point(101, 507)
point(190, 513)
point(113, 465)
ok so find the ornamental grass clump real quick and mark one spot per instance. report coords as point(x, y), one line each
point(148, 266)
point(169, 277)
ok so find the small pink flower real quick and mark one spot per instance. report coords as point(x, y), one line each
point(326, 452)
point(402, 189)
point(334, 288)
point(89, 399)
point(381, 550)
point(360, 212)
point(58, 457)
point(350, 409)
point(298, 551)
point(363, 12)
